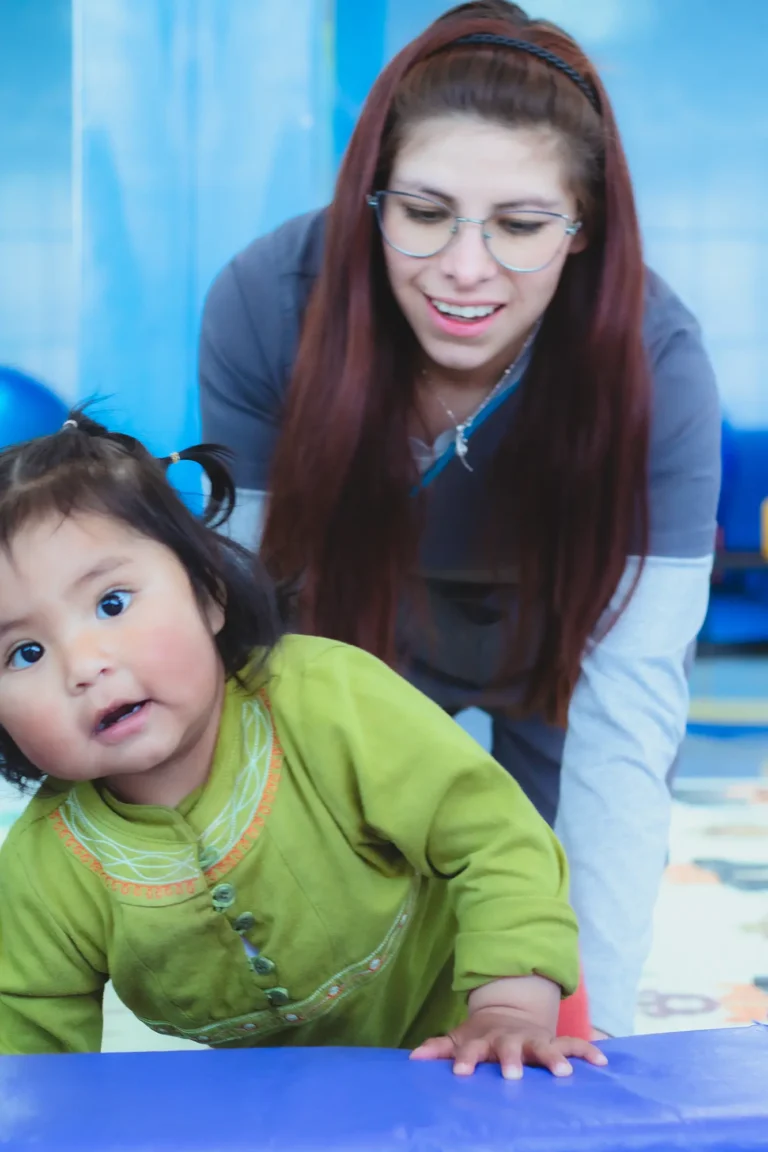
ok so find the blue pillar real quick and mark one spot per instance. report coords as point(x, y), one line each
point(360, 54)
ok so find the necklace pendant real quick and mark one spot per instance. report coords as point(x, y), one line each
point(462, 447)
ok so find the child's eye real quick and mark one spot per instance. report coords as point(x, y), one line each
point(113, 604)
point(25, 655)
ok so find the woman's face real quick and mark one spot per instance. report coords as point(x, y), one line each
point(479, 169)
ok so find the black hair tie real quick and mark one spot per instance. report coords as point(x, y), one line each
point(542, 54)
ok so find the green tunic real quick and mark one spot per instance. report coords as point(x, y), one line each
point(353, 867)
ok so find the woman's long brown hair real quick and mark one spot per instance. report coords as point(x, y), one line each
point(569, 482)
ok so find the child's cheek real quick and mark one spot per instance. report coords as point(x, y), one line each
point(33, 718)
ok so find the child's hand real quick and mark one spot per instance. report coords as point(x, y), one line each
point(498, 1035)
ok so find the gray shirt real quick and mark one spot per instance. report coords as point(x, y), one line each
point(628, 713)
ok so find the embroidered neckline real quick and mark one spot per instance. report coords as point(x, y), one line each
point(175, 870)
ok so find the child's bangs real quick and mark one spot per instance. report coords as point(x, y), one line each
point(74, 488)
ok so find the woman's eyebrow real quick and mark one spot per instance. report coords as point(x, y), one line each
point(541, 202)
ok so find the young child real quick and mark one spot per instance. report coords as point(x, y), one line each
point(258, 840)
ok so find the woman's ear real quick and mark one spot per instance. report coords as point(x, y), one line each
point(579, 242)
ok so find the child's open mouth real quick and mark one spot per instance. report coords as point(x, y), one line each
point(121, 719)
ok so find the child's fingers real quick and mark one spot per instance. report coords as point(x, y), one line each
point(571, 1046)
point(509, 1051)
point(468, 1055)
point(547, 1054)
point(438, 1048)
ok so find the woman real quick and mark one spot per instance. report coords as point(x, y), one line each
point(497, 463)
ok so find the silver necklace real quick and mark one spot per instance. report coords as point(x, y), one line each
point(460, 442)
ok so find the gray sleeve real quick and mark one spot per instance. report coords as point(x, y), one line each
point(241, 393)
point(625, 725)
point(246, 524)
point(684, 463)
point(248, 342)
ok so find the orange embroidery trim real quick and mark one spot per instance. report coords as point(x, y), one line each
point(236, 854)
point(124, 887)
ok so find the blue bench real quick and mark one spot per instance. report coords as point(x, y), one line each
point(694, 1090)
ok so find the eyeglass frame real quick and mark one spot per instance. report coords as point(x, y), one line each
point(373, 201)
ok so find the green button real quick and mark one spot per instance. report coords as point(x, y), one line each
point(223, 896)
point(208, 857)
point(262, 965)
point(244, 922)
point(277, 997)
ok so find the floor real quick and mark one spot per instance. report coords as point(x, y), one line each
point(709, 964)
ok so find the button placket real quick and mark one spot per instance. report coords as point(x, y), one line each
point(207, 857)
point(244, 923)
point(262, 965)
point(278, 997)
point(223, 896)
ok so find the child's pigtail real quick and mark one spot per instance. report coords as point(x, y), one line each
point(212, 458)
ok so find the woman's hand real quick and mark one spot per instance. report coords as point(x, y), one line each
point(503, 1036)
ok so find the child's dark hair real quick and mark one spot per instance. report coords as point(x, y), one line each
point(84, 468)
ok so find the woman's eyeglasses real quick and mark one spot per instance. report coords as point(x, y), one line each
point(521, 240)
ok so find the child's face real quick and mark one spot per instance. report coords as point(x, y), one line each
point(108, 664)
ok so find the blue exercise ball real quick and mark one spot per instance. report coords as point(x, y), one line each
point(27, 408)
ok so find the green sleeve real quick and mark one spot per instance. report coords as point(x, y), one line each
point(394, 767)
point(50, 996)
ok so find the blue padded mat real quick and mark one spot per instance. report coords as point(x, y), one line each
point(694, 1090)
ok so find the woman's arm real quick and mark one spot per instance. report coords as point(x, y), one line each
point(628, 714)
point(626, 723)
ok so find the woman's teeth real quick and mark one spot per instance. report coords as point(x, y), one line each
point(465, 312)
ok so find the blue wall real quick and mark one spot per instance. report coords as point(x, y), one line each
point(201, 124)
point(37, 310)
point(142, 142)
